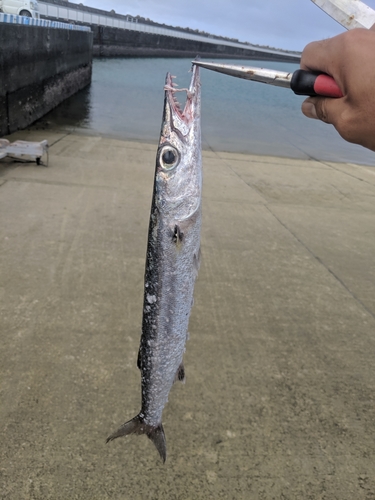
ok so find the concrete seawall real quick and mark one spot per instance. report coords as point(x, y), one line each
point(40, 67)
point(109, 42)
point(117, 35)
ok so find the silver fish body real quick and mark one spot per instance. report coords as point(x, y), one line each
point(172, 260)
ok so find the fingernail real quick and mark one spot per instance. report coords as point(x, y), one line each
point(309, 110)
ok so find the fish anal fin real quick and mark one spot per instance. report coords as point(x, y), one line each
point(137, 426)
point(180, 374)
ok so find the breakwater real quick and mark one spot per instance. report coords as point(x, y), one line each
point(40, 67)
point(126, 36)
point(110, 41)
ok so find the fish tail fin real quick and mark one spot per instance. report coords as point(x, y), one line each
point(137, 426)
point(157, 436)
point(131, 427)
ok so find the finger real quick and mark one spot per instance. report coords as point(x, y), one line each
point(372, 28)
point(316, 56)
point(326, 109)
point(308, 109)
point(308, 53)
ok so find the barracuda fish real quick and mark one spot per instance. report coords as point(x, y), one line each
point(172, 261)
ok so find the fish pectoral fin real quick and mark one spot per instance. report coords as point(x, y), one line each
point(177, 234)
point(137, 426)
point(180, 374)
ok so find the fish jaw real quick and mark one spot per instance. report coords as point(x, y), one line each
point(179, 183)
point(176, 118)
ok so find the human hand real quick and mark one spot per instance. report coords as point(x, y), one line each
point(349, 59)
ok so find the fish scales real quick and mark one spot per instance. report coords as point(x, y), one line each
point(172, 260)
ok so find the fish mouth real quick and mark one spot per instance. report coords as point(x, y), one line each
point(186, 114)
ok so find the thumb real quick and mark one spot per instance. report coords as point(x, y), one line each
point(321, 108)
point(372, 27)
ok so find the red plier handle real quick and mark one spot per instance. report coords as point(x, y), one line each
point(314, 84)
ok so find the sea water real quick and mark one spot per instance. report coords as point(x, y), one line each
point(125, 100)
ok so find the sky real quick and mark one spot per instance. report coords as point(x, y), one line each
point(284, 24)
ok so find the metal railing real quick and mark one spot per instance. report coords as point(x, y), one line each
point(32, 21)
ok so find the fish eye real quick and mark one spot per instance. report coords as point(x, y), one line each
point(169, 157)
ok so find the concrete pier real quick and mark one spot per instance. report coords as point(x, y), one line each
point(280, 391)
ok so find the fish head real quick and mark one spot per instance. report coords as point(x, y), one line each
point(178, 178)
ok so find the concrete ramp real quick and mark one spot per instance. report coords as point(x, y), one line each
point(280, 391)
